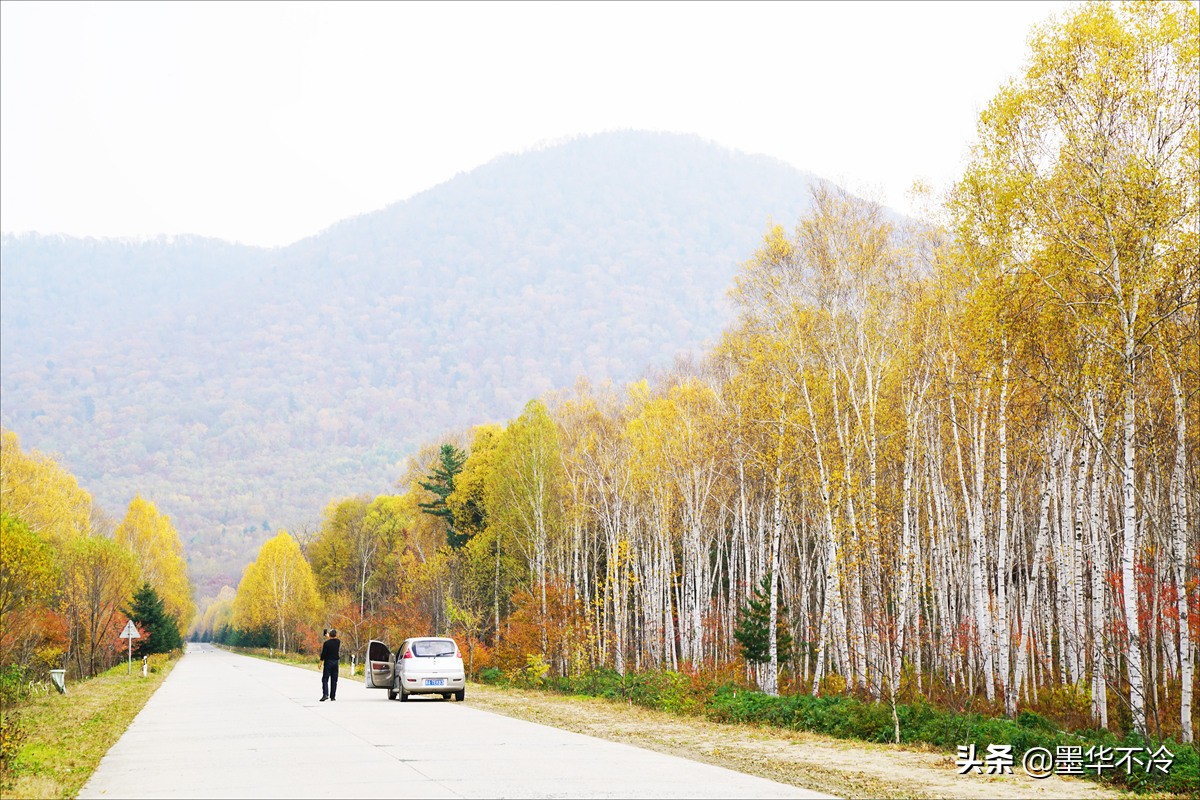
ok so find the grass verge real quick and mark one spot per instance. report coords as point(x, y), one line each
point(839, 767)
point(63, 737)
point(851, 719)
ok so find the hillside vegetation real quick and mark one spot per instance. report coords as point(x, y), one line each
point(241, 389)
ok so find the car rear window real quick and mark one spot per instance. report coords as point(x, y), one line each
point(437, 647)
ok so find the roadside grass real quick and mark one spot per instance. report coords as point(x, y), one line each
point(63, 737)
point(850, 718)
point(817, 762)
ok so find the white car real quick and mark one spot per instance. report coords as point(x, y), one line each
point(423, 665)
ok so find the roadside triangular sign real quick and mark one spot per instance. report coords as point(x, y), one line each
point(131, 631)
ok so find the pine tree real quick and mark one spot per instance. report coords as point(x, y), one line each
point(753, 627)
point(160, 633)
point(441, 484)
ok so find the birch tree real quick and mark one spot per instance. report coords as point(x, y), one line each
point(1098, 143)
point(277, 591)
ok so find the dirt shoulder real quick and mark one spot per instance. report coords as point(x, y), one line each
point(835, 766)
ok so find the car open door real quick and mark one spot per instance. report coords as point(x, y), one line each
point(378, 672)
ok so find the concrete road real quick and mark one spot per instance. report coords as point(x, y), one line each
point(225, 725)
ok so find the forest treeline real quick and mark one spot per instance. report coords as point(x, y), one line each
point(243, 388)
point(955, 461)
point(71, 577)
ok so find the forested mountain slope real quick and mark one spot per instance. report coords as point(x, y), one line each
point(241, 389)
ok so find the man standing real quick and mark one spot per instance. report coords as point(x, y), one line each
point(330, 653)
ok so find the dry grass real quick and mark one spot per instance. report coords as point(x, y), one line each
point(835, 766)
point(65, 736)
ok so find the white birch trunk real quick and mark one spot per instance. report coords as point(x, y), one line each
point(1003, 633)
point(1078, 615)
point(1035, 567)
point(771, 682)
point(832, 614)
point(1179, 536)
point(1133, 639)
point(1063, 568)
point(973, 504)
point(854, 565)
point(1099, 606)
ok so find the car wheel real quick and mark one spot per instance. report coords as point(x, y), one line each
point(460, 695)
point(403, 695)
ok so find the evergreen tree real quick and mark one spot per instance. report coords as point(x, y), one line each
point(160, 633)
point(753, 627)
point(441, 484)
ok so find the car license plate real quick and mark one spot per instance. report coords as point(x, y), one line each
point(435, 681)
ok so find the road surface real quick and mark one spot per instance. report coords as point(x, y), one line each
point(225, 725)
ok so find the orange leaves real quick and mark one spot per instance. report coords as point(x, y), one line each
point(38, 634)
point(536, 639)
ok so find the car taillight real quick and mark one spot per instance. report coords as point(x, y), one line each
point(408, 653)
point(457, 654)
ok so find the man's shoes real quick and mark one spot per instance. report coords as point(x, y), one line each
point(323, 699)
point(333, 698)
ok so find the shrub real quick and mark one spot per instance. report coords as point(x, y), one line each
point(534, 671)
point(1029, 719)
point(158, 660)
point(492, 675)
point(12, 683)
point(832, 685)
point(1069, 705)
point(852, 718)
point(12, 735)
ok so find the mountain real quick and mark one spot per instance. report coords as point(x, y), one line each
point(241, 389)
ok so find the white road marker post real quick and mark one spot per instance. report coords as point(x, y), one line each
point(130, 633)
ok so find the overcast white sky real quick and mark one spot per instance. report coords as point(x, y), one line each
point(267, 122)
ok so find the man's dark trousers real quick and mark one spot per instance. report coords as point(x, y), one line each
point(329, 679)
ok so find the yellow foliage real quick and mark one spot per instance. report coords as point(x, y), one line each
point(277, 591)
point(468, 500)
point(28, 573)
point(155, 544)
point(35, 489)
point(833, 685)
point(99, 576)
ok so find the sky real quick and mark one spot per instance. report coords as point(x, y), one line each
point(265, 123)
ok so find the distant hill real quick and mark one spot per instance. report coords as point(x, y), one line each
point(241, 389)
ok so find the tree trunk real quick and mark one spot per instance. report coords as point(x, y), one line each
point(973, 505)
point(1035, 567)
point(1003, 634)
point(1133, 639)
point(1179, 536)
point(771, 684)
point(1099, 566)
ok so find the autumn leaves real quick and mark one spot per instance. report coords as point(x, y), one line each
point(67, 576)
point(962, 449)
